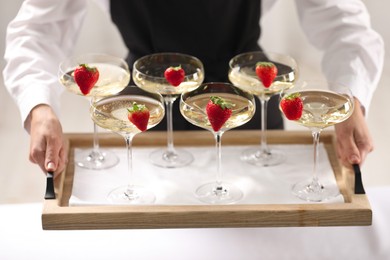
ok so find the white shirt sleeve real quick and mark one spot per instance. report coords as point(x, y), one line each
point(353, 51)
point(41, 35)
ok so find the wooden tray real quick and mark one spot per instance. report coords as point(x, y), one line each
point(355, 211)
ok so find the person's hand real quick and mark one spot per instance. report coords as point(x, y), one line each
point(47, 145)
point(354, 141)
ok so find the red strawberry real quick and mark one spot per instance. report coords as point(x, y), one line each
point(139, 116)
point(292, 106)
point(174, 75)
point(266, 71)
point(218, 112)
point(86, 77)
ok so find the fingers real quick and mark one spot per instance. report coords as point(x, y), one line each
point(48, 152)
point(37, 153)
point(347, 149)
point(47, 146)
point(52, 155)
point(354, 150)
point(364, 143)
point(354, 141)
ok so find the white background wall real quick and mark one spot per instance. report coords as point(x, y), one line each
point(21, 181)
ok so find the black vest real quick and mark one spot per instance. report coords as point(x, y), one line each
point(212, 30)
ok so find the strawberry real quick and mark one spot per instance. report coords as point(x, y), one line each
point(292, 106)
point(139, 116)
point(174, 75)
point(266, 71)
point(218, 112)
point(86, 77)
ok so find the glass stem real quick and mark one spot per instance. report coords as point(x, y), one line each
point(217, 136)
point(95, 139)
point(96, 155)
point(263, 142)
point(128, 139)
point(315, 185)
point(169, 104)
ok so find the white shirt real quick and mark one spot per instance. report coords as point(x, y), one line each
point(44, 31)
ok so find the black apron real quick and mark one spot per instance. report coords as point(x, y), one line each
point(212, 30)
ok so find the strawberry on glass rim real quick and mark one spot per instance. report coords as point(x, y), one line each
point(316, 105)
point(218, 112)
point(139, 115)
point(89, 75)
point(267, 72)
point(174, 75)
point(128, 114)
point(218, 107)
point(263, 74)
point(86, 77)
point(169, 74)
point(292, 106)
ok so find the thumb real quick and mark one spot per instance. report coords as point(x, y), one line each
point(351, 151)
point(51, 160)
point(50, 166)
point(354, 158)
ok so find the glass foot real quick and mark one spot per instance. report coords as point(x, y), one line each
point(263, 158)
point(103, 159)
point(314, 192)
point(226, 193)
point(126, 195)
point(167, 159)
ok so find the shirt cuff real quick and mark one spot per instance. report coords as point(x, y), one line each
point(37, 95)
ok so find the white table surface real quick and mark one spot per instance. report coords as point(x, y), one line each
point(22, 237)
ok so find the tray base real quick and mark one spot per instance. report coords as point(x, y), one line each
point(355, 211)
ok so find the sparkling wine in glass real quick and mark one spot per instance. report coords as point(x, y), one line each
point(114, 76)
point(149, 74)
point(316, 107)
point(242, 73)
point(128, 115)
point(218, 107)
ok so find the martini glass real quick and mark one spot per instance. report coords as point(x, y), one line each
point(111, 113)
point(242, 73)
point(148, 74)
point(114, 75)
point(193, 108)
point(322, 108)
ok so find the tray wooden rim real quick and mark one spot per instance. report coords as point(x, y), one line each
point(356, 211)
